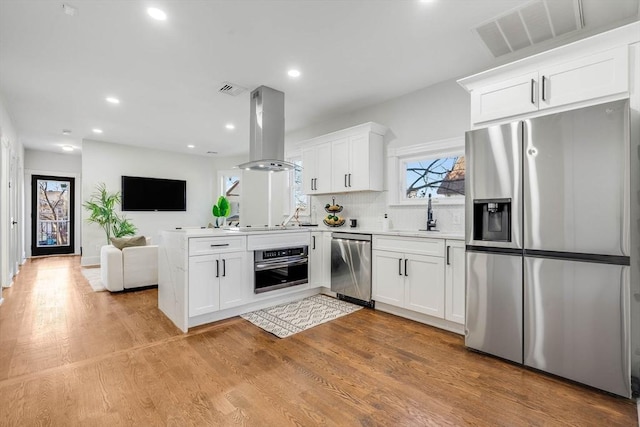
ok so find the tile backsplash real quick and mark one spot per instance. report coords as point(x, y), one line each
point(369, 209)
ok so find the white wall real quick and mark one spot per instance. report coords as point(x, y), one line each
point(12, 200)
point(37, 162)
point(438, 112)
point(106, 163)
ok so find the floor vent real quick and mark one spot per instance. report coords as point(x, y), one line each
point(535, 22)
point(231, 89)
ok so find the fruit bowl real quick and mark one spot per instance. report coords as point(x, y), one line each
point(335, 224)
point(333, 209)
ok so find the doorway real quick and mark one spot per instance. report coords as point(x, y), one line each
point(52, 211)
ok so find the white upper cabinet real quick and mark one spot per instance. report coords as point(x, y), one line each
point(503, 99)
point(344, 161)
point(586, 72)
point(594, 76)
point(316, 172)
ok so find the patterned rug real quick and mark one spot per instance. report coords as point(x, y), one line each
point(93, 277)
point(287, 319)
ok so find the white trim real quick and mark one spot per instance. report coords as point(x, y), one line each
point(397, 156)
point(371, 127)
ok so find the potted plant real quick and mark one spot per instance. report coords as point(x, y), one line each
point(101, 206)
point(222, 209)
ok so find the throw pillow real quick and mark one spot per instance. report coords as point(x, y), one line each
point(127, 242)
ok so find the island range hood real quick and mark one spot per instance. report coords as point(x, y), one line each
point(266, 150)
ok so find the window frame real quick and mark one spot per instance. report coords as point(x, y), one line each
point(398, 157)
point(290, 204)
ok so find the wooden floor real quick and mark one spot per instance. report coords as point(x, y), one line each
point(70, 356)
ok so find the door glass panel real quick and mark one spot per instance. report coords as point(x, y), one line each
point(53, 214)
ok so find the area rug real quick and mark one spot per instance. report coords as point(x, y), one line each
point(93, 277)
point(285, 320)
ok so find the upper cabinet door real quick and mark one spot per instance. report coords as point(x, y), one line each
point(340, 165)
point(602, 74)
point(316, 169)
point(506, 98)
point(359, 164)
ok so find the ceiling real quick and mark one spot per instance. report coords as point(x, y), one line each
point(57, 69)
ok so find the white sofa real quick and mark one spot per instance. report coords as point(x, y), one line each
point(129, 268)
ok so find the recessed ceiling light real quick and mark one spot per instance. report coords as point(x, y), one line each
point(67, 148)
point(293, 73)
point(191, 146)
point(69, 10)
point(96, 130)
point(112, 100)
point(157, 14)
point(230, 126)
point(66, 131)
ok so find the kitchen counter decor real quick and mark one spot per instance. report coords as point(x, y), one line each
point(332, 220)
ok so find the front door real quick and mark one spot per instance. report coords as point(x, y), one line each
point(52, 201)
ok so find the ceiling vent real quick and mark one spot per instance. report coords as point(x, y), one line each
point(231, 89)
point(535, 22)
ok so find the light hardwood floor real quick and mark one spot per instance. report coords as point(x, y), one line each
point(70, 356)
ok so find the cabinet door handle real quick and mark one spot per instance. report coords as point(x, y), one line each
point(406, 273)
point(345, 180)
point(349, 180)
point(544, 88)
point(219, 245)
point(448, 247)
point(315, 184)
point(314, 242)
point(533, 82)
point(217, 268)
point(400, 267)
point(224, 268)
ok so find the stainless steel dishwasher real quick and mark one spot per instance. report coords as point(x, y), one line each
point(351, 267)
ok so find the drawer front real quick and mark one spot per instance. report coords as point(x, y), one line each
point(275, 240)
point(213, 245)
point(415, 245)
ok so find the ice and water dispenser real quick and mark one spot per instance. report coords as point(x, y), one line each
point(492, 220)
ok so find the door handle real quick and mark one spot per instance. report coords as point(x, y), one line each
point(14, 222)
point(224, 268)
point(349, 180)
point(219, 245)
point(315, 184)
point(345, 179)
point(448, 247)
point(217, 268)
point(405, 267)
point(400, 267)
point(314, 242)
point(533, 101)
point(544, 79)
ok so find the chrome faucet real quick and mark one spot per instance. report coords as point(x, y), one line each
point(431, 223)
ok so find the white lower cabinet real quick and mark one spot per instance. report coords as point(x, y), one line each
point(319, 264)
point(217, 282)
point(423, 275)
point(411, 280)
point(455, 296)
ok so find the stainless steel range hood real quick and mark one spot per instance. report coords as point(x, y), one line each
point(266, 150)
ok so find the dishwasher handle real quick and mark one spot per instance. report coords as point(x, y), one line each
point(351, 236)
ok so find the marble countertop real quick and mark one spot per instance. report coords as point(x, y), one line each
point(204, 232)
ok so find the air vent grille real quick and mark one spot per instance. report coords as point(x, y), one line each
point(231, 89)
point(535, 22)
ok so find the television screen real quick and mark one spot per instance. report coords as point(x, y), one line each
point(153, 194)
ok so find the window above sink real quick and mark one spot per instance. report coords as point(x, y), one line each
point(435, 168)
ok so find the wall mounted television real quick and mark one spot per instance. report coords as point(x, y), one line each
point(153, 194)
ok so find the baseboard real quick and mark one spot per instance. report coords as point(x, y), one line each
point(86, 261)
point(422, 318)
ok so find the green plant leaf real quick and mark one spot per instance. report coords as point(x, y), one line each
point(224, 206)
point(216, 211)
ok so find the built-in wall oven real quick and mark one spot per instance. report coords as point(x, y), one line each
point(280, 268)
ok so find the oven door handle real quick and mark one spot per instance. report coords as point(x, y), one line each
point(273, 265)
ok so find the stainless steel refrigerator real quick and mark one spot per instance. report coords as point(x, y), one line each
point(548, 244)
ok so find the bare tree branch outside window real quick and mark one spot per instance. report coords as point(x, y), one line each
point(440, 177)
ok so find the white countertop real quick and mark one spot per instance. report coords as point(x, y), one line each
point(205, 232)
